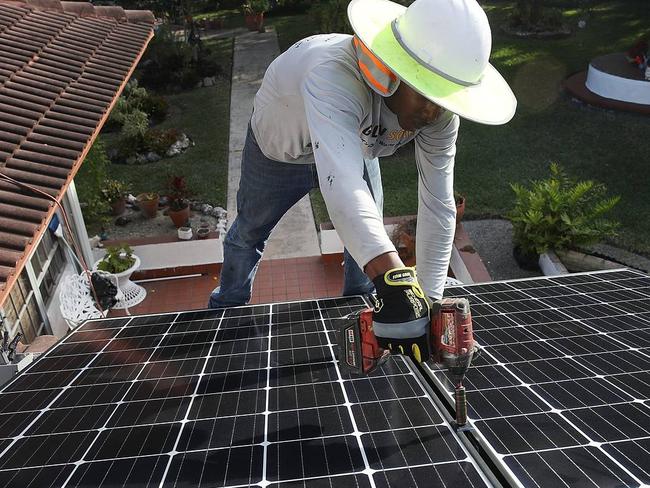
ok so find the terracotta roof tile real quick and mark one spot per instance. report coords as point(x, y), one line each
point(62, 67)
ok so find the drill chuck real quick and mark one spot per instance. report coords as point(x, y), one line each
point(461, 406)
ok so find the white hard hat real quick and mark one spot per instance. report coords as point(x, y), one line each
point(441, 49)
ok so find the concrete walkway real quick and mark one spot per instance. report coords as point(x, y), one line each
point(295, 236)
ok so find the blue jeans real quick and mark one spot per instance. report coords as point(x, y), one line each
point(267, 190)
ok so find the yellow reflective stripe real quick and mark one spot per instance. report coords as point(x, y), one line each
point(415, 349)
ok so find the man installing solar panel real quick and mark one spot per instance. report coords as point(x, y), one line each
point(328, 108)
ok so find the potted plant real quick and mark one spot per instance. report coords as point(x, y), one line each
point(114, 192)
point(460, 206)
point(119, 261)
point(557, 214)
point(254, 14)
point(179, 205)
point(404, 239)
point(148, 203)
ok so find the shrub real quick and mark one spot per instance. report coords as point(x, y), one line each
point(89, 182)
point(533, 16)
point(114, 190)
point(178, 193)
point(135, 125)
point(159, 141)
point(559, 213)
point(331, 16)
point(137, 98)
point(117, 259)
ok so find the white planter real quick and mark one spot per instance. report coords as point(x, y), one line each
point(123, 277)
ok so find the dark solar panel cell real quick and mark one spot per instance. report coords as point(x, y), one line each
point(152, 319)
point(313, 458)
point(589, 311)
point(588, 392)
point(71, 419)
point(108, 374)
point(134, 441)
point(254, 311)
point(503, 402)
point(507, 335)
point(492, 322)
point(91, 395)
point(239, 347)
point(284, 328)
point(187, 338)
point(163, 388)
point(62, 362)
point(565, 301)
point(587, 344)
point(129, 343)
point(634, 456)
point(168, 369)
point(458, 475)
point(612, 422)
point(636, 384)
point(50, 449)
point(525, 433)
point(303, 374)
point(228, 404)
point(41, 381)
point(481, 310)
point(306, 355)
point(26, 400)
point(149, 412)
point(423, 445)
point(582, 467)
point(309, 423)
point(527, 305)
point(239, 466)
point(619, 323)
point(235, 381)
point(246, 321)
point(194, 326)
point(202, 315)
point(42, 477)
point(562, 329)
point(339, 481)
point(478, 378)
point(395, 414)
point(524, 351)
point(104, 324)
point(242, 333)
point(609, 363)
point(91, 335)
point(181, 352)
point(383, 388)
point(305, 396)
point(13, 424)
point(145, 472)
point(237, 362)
point(299, 340)
point(144, 330)
point(222, 432)
point(78, 348)
point(550, 370)
point(636, 338)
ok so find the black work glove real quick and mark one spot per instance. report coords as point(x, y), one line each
point(401, 315)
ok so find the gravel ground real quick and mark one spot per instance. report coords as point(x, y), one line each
point(493, 241)
point(139, 226)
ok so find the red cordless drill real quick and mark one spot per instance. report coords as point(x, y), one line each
point(451, 339)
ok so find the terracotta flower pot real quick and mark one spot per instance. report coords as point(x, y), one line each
point(460, 209)
point(118, 207)
point(148, 206)
point(255, 22)
point(179, 217)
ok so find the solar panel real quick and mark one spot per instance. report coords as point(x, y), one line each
point(560, 395)
point(236, 397)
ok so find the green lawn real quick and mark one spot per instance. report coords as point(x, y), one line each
point(610, 147)
point(203, 114)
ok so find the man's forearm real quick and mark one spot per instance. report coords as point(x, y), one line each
point(382, 263)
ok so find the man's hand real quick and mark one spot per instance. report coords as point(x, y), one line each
point(401, 315)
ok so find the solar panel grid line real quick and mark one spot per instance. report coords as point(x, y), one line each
point(44, 410)
point(348, 405)
point(591, 441)
point(104, 426)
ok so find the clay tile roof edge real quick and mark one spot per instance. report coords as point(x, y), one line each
point(86, 9)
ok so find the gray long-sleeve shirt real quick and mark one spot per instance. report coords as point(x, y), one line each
point(314, 105)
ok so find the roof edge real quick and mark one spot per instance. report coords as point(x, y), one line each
point(86, 9)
